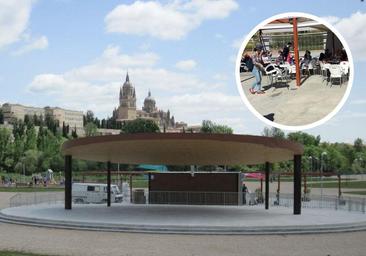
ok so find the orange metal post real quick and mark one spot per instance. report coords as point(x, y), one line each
point(296, 50)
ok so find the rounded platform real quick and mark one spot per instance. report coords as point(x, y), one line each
point(185, 219)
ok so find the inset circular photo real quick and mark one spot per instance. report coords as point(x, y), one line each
point(294, 71)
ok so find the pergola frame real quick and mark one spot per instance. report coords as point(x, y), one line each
point(294, 23)
point(223, 148)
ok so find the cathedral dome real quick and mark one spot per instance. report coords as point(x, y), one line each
point(149, 104)
point(149, 98)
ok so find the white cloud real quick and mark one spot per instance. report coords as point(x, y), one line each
point(353, 30)
point(39, 43)
point(331, 19)
point(96, 86)
point(220, 77)
point(206, 103)
point(171, 21)
point(358, 102)
point(216, 106)
point(236, 44)
point(14, 17)
point(186, 65)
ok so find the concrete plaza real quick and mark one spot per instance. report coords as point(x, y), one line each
point(73, 242)
point(293, 105)
point(188, 219)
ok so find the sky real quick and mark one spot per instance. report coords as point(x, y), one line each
point(75, 54)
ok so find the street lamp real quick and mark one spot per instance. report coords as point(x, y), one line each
point(322, 166)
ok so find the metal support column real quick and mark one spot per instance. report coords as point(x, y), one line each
point(108, 184)
point(267, 169)
point(297, 184)
point(339, 186)
point(68, 182)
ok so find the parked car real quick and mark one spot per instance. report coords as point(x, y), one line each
point(94, 193)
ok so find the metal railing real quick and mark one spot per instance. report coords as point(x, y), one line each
point(194, 198)
point(32, 198)
point(345, 203)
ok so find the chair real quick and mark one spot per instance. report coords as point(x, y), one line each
point(324, 68)
point(316, 66)
point(336, 74)
point(345, 68)
point(276, 74)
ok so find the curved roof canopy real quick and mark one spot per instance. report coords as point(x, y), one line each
point(285, 25)
point(182, 149)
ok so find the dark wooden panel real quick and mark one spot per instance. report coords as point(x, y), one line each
point(200, 189)
point(207, 182)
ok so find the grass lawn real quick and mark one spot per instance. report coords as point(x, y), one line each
point(362, 192)
point(139, 183)
point(14, 253)
point(308, 178)
point(25, 189)
point(350, 184)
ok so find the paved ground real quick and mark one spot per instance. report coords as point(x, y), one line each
point(294, 105)
point(69, 242)
point(186, 217)
point(65, 242)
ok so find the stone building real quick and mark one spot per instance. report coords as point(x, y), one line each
point(13, 112)
point(127, 110)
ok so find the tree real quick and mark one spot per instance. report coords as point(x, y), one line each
point(211, 127)
point(31, 162)
point(140, 126)
point(6, 149)
point(89, 117)
point(358, 145)
point(28, 120)
point(1, 116)
point(31, 138)
point(51, 123)
point(90, 129)
point(18, 128)
point(74, 134)
point(304, 138)
point(273, 132)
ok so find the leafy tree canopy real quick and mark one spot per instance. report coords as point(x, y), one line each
point(140, 126)
point(211, 127)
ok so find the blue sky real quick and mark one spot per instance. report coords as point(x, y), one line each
point(74, 54)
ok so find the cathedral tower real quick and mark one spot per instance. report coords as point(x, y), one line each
point(127, 101)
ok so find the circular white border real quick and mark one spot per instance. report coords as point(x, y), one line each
point(249, 105)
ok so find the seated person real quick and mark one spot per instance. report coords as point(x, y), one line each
point(266, 58)
point(322, 57)
point(306, 60)
point(279, 59)
point(344, 56)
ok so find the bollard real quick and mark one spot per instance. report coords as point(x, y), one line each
point(336, 204)
point(363, 205)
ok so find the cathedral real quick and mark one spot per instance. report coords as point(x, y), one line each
point(127, 110)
